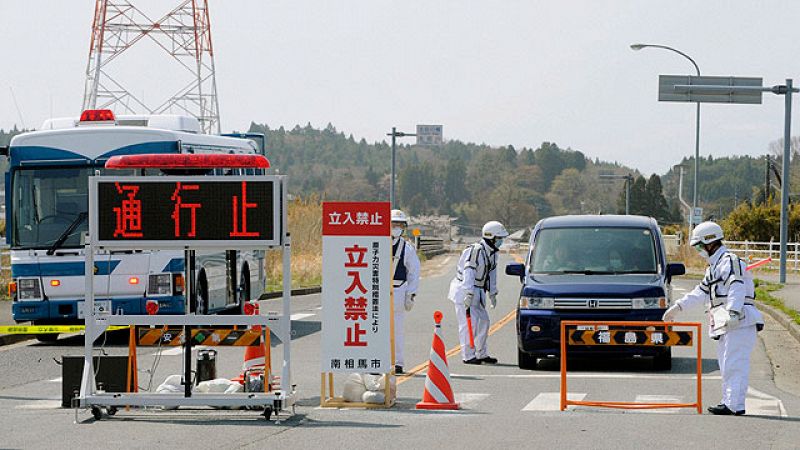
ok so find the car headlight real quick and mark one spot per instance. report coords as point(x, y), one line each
point(29, 289)
point(649, 303)
point(536, 302)
point(160, 284)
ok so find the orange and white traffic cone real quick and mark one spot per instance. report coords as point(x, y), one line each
point(254, 356)
point(438, 393)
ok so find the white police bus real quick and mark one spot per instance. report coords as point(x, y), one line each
point(47, 212)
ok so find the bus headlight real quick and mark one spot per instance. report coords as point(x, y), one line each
point(160, 284)
point(649, 303)
point(536, 302)
point(29, 289)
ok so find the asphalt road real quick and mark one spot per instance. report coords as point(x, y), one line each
point(501, 404)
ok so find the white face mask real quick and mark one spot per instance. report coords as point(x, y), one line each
point(702, 251)
point(397, 232)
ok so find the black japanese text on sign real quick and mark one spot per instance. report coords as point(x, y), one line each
point(186, 209)
point(657, 338)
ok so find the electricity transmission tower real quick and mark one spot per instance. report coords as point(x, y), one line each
point(184, 34)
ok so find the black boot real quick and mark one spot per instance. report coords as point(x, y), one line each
point(723, 410)
point(475, 361)
point(489, 360)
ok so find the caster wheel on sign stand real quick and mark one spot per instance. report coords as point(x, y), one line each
point(111, 410)
point(267, 413)
point(97, 413)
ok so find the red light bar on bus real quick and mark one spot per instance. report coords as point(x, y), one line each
point(187, 161)
point(97, 115)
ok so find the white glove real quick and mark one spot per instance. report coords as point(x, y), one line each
point(409, 302)
point(493, 300)
point(669, 314)
point(468, 299)
point(735, 319)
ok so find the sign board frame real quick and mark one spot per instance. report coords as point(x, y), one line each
point(668, 93)
point(182, 244)
point(356, 279)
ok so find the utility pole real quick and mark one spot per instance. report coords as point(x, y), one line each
point(395, 134)
point(184, 34)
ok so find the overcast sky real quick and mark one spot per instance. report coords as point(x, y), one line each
point(502, 72)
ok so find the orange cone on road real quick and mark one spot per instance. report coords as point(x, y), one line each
point(438, 393)
point(254, 356)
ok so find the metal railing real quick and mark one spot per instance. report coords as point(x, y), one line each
point(752, 251)
point(430, 246)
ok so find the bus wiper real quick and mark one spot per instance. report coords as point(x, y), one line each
point(81, 217)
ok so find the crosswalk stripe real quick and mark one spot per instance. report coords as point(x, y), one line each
point(41, 404)
point(757, 403)
point(760, 403)
point(646, 398)
point(551, 401)
point(469, 400)
point(300, 316)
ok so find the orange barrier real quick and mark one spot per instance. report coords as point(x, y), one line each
point(609, 326)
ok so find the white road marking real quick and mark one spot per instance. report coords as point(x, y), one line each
point(659, 399)
point(55, 380)
point(41, 404)
point(677, 289)
point(760, 403)
point(469, 400)
point(301, 316)
point(551, 401)
point(626, 376)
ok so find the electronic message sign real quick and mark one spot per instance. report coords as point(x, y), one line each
point(161, 212)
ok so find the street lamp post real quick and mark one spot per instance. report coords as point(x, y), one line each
point(628, 181)
point(696, 131)
point(395, 134)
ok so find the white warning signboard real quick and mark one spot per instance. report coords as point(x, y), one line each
point(356, 287)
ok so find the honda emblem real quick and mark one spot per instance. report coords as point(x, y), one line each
point(593, 303)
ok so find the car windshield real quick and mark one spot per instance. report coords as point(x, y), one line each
point(46, 202)
point(594, 251)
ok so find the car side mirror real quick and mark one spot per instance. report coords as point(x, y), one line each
point(675, 269)
point(517, 269)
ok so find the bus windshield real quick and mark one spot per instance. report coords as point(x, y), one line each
point(47, 201)
point(594, 251)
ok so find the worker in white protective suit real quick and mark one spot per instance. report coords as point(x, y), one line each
point(476, 279)
point(405, 279)
point(728, 292)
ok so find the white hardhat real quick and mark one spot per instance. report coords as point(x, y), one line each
point(706, 233)
point(494, 229)
point(399, 216)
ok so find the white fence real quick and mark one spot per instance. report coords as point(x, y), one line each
point(753, 251)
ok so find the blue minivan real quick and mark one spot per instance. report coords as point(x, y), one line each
point(591, 267)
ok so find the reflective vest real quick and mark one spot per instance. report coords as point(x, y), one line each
point(479, 259)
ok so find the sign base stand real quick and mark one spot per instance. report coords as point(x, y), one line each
point(328, 400)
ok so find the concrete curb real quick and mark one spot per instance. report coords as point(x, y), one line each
point(781, 318)
point(295, 292)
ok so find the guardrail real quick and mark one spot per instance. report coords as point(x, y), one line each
point(430, 246)
point(752, 251)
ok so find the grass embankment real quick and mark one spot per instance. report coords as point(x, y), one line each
point(763, 289)
point(305, 226)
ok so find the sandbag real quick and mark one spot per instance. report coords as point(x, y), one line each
point(219, 385)
point(354, 388)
